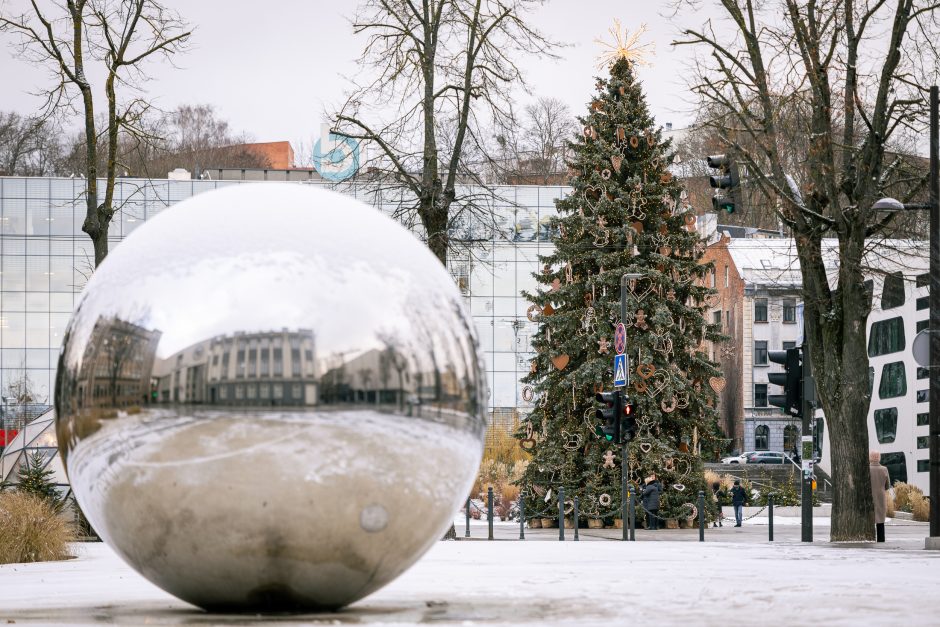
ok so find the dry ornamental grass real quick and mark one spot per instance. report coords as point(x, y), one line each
point(31, 531)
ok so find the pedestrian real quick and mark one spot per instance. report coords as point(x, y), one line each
point(719, 495)
point(737, 500)
point(880, 484)
point(650, 500)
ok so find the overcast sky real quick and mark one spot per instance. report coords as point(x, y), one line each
point(272, 67)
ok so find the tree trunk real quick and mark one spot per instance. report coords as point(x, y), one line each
point(434, 220)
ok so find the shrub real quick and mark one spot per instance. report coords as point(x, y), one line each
point(31, 530)
point(889, 505)
point(903, 495)
point(920, 506)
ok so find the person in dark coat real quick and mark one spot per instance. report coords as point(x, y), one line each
point(650, 501)
point(738, 496)
point(880, 484)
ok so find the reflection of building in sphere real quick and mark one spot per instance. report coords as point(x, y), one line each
point(117, 364)
point(268, 368)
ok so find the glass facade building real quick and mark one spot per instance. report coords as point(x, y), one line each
point(45, 259)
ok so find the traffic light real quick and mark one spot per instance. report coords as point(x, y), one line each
point(727, 179)
point(791, 401)
point(608, 416)
point(628, 423)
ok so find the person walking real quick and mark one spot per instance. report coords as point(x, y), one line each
point(737, 500)
point(650, 500)
point(880, 484)
point(719, 495)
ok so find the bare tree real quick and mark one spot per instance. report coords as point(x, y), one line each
point(536, 153)
point(859, 91)
point(73, 41)
point(449, 63)
point(28, 145)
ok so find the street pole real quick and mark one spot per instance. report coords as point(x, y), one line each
point(934, 325)
point(809, 405)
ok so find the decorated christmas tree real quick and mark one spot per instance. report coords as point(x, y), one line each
point(626, 214)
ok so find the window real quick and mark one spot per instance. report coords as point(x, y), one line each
point(727, 277)
point(760, 310)
point(265, 363)
point(761, 437)
point(893, 380)
point(297, 392)
point(923, 280)
point(923, 465)
point(789, 345)
point(923, 303)
point(892, 292)
point(295, 362)
point(922, 324)
point(278, 360)
point(923, 373)
point(791, 438)
point(760, 395)
point(713, 278)
point(886, 424)
point(253, 362)
point(923, 419)
point(789, 312)
point(897, 466)
point(716, 319)
point(223, 392)
point(923, 396)
point(887, 336)
point(277, 390)
point(224, 372)
point(923, 441)
point(760, 353)
point(240, 363)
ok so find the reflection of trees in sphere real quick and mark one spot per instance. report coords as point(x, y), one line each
point(270, 397)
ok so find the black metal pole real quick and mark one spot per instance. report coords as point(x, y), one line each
point(561, 514)
point(467, 532)
point(575, 515)
point(770, 517)
point(632, 515)
point(623, 491)
point(489, 511)
point(934, 325)
point(522, 514)
point(808, 455)
point(701, 516)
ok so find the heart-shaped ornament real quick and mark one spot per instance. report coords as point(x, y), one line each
point(560, 361)
point(646, 447)
point(657, 383)
point(646, 370)
point(717, 383)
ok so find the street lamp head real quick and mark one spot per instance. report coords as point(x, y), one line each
point(888, 204)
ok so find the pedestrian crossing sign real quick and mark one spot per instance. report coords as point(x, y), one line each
point(620, 371)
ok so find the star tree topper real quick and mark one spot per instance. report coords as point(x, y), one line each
point(625, 45)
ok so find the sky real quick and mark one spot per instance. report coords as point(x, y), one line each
point(273, 72)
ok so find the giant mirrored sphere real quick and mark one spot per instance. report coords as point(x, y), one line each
point(270, 397)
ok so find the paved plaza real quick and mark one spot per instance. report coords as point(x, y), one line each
point(735, 576)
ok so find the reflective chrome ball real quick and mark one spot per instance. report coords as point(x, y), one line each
point(270, 397)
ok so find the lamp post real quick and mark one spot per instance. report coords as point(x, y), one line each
point(625, 451)
point(933, 205)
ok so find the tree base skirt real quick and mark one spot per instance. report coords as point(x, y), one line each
point(549, 523)
point(535, 523)
point(672, 523)
point(595, 523)
point(618, 523)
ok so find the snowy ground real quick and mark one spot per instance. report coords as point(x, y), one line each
point(736, 576)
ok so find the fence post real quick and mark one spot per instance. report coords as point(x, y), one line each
point(561, 514)
point(489, 510)
point(467, 532)
point(575, 514)
point(522, 514)
point(701, 516)
point(770, 515)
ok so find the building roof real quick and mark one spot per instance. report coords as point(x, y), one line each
point(37, 436)
point(774, 263)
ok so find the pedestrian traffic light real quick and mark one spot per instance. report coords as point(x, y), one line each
point(791, 401)
point(608, 416)
point(628, 422)
point(727, 179)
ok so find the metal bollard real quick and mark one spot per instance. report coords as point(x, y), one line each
point(561, 514)
point(522, 515)
point(632, 516)
point(467, 532)
point(701, 516)
point(770, 517)
point(489, 510)
point(575, 514)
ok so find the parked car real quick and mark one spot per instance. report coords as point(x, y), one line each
point(768, 457)
point(737, 459)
